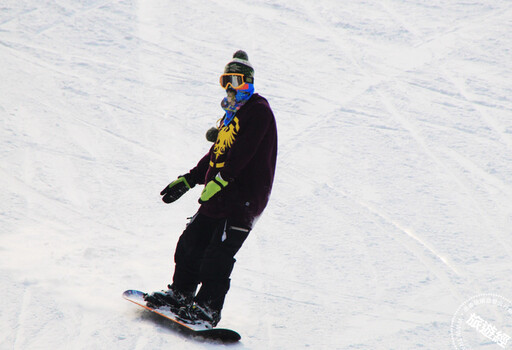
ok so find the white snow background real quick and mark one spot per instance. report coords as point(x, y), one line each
point(392, 202)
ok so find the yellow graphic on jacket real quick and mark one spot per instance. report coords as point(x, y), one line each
point(225, 140)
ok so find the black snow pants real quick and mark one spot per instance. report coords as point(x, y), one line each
point(205, 254)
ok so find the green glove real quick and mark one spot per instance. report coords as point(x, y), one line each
point(212, 188)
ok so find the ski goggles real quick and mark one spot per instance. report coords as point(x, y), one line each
point(236, 80)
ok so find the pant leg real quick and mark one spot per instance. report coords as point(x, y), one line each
point(217, 265)
point(190, 250)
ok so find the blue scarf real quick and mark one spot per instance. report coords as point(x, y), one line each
point(242, 96)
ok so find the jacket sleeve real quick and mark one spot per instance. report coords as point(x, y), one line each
point(198, 173)
point(252, 132)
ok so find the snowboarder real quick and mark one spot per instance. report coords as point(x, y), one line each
point(238, 173)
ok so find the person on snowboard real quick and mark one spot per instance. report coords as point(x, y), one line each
point(238, 173)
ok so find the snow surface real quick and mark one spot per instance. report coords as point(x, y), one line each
point(392, 202)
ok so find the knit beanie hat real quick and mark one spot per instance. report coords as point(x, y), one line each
point(240, 64)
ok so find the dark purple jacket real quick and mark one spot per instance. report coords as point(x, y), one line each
point(245, 155)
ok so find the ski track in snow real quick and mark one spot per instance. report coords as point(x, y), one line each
point(392, 202)
point(21, 320)
point(461, 91)
point(415, 134)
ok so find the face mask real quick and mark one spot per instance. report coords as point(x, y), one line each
point(235, 99)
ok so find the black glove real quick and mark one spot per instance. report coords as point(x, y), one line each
point(177, 188)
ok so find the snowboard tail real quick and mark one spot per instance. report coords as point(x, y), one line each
point(199, 329)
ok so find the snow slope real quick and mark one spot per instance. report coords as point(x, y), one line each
point(392, 202)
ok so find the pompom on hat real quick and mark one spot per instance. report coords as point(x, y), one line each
point(240, 64)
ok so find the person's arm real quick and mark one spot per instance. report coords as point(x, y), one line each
point(183, 183)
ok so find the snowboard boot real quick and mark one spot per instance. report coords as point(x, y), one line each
point(170, 297)
point(196, 314)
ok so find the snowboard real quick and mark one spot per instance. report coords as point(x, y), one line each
point(200, 329)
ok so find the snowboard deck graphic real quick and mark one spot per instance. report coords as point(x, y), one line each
point(221, 334)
